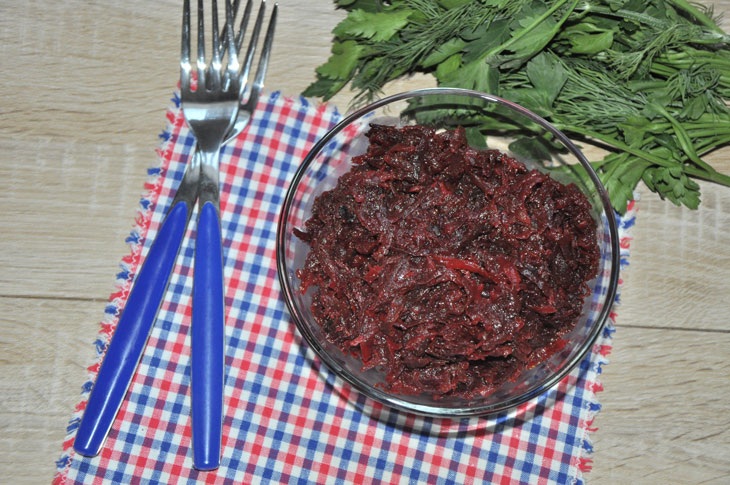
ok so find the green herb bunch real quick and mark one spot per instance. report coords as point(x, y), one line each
point(646, 79)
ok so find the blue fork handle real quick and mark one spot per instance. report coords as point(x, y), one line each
point(207, 340)
point(132, 332)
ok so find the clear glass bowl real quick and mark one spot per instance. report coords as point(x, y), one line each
point(518, 132)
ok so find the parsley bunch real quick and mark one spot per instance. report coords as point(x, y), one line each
point(646, 79)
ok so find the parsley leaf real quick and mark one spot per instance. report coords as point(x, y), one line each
point(547, 75)
point(343, 60)
point(376, 26)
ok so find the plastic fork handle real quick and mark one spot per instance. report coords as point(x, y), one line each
point(130, 337)
point(207, 340)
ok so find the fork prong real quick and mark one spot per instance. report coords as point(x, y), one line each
point(185, 48)
point(201, 46)
point(214, 69)
point(252, 44)
point(258, 83)
point(224, 30)
point(243, 25)
point(232, 51)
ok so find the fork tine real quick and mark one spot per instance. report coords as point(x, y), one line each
point(185, 49)
point(214, 69)
point(243, 25)
point(201, 46)
point(258, 83)
point(234, 9)
point(224, 30)
point(252, 45)
point(232, 51)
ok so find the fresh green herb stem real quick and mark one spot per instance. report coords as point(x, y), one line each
point(668, 70)
point(712, 144)
point(690, 9)
point(707, 132)
point(522, 33)
point(642, 18)
point(690, 56)
point(685, 142)
point(696, 130)
point(662, 69)
point(713, 175)
point(687, 63)
point(613, 142)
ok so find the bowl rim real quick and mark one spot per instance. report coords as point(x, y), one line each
point(392, 399)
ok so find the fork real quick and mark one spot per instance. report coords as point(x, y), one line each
point(133, 328)
point(210, 111)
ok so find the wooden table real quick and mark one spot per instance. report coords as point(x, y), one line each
point(85, 86)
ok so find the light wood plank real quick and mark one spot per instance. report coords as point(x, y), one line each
point(679, 263)
point(90, 84)
point(45, 348)
point(69, 208)
point(666, 415)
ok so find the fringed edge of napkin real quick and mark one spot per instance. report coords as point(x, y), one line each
point(130, 263)
point(583, 463)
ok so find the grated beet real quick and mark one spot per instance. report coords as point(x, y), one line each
point(450, 269)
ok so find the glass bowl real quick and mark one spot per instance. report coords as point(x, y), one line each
point(496, 123)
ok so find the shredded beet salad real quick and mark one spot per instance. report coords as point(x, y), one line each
point(448, 268)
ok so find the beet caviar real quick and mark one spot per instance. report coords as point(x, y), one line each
point(450, 269)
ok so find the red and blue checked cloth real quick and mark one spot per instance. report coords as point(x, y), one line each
point(288, 419)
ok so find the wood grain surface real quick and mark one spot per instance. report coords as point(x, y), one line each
point(85, 86)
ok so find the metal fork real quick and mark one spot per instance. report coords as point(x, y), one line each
point(210, 111)
point(211, 114)
point(135, 323)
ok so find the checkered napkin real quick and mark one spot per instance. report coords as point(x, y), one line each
point(288, 419)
